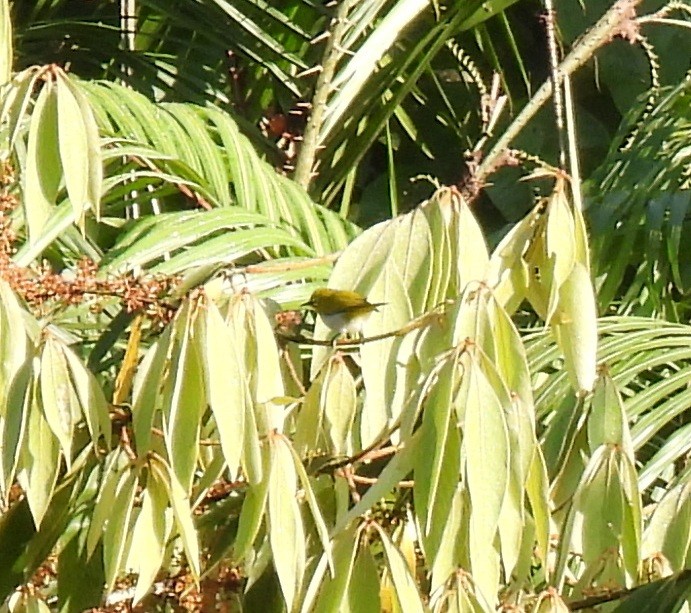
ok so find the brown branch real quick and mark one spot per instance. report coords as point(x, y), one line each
point(419, 322)
point(291, 370)
point(373, 480)
point(347, 473)
point(617, 21)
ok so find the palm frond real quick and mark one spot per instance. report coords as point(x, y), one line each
point(638, 205)
point(650, 362)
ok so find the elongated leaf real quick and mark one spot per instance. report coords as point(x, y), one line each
point(149, 536)
point(468, 240)
point(286, 531)
point(59, 401)
point(115, 537)
point(182, 511)
point(406, 591)
point(112, 472)
point(338, 405)
point(309, 433)
point(94, 408)
point(181, 419)
point(253, 510)
point(447, 558)
point(577, 332)
point(486, 450)
point(507, 271)
point(14, 422)
point(74, 150)
point(39, 461)
point(334, 589)
point(560, 235)
point(317, 516)
point(149, 388)
point(14, 341)
point(41, 177)
point(537, 490)
point(669, 529)
point(263, 363)
point(15, 98)
point(607, 422)
point(365, 580)
point(6, 54)
point(225, 376)
point(437, 463)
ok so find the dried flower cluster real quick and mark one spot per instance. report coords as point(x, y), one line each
point(40, 286)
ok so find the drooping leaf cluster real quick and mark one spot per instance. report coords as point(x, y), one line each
point(490, 443)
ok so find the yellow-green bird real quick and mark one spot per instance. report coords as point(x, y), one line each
point(342, 310)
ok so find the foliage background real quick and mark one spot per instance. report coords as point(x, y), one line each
point(177, 176)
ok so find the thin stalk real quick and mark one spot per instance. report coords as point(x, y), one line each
point(332, 53)
point(574, 166)
point(556, 78)
point(613, 22)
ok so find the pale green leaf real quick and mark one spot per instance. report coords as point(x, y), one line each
point(112, 471)
point(149, 536)
point(511, 361)
point(507, 272)
point(15, 98)
point(437, 461)
point(39, 462)
point(73, 147)
point(94, 157)
point(149, 387)
point(6, 53)
point(669, 529)
point(607, 420)
point(225, 376)
point(264, 364)
point(286, 531)
point(364, 580)
point(582, 249)
point(308, 426)
point(60, 403)
point(576, 328)
point(182, 511)
point(94, 406)
point(334, 589)
point(447, 558)
point(306, 485)
point(116, 541)
point(469, 241)
point(537, 490)
point(559, 235)
point(181, 420)
point(13, 422)
point(252, 462)
point(43, 171)
point(252, 514)
point(406, 590)
point(338, 406)
point(632, 522)
point(486, 449)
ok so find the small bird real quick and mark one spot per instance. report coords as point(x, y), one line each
point(342, 310)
